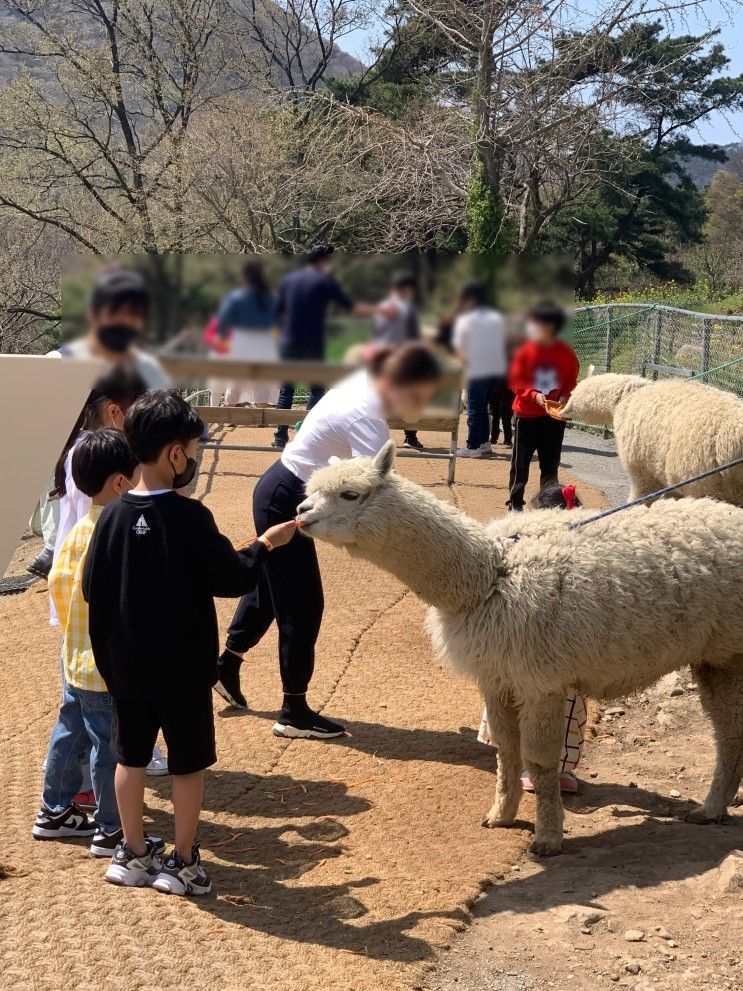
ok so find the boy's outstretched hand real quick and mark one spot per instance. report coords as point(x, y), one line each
point(280, 534)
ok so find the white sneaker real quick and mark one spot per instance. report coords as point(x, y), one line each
point(487, 447)
point(159, 763)
point(469, 452)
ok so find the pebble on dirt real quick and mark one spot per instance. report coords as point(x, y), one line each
point(634, 935)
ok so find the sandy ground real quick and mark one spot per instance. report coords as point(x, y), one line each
point(355, 864)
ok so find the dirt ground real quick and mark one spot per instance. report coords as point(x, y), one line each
point(356, 864)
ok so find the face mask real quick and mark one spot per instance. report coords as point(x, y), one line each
point(117, 337)
point(183, 478)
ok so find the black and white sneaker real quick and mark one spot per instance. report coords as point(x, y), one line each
point(105, 844)
point(176, 877)
point(228, 685)
point(306, 725)
point(413, 443)
point(132, 871)
point(56, 826)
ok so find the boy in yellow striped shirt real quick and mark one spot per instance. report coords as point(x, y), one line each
point(103, 467)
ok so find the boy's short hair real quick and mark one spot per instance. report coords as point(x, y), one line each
point(120, 289)
point(550, 313)
point(318, 253)
point(405, 280)
point(98, 456)
point(158, 419)
point(473, 292)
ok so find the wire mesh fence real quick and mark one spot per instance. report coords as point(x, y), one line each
point(660, 342)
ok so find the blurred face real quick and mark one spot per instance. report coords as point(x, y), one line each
point(407, 401)
point(116, 330)
point(542, 333)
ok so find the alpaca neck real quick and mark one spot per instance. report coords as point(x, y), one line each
point(444, 557)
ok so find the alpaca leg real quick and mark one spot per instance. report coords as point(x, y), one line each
point(640, 483)
point(503, 721)
point(721, 695)
point(542, 736)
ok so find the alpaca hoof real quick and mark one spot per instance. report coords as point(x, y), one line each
point(702, 818)
point(496, 822)
point(545, 848)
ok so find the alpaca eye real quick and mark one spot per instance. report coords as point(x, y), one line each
point(350, 496)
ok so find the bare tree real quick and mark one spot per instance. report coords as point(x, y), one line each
point(93, 128)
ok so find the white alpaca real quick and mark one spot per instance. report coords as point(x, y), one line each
point(667, 431)
point(529, 609)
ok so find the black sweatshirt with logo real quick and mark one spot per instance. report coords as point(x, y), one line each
point(153, 567)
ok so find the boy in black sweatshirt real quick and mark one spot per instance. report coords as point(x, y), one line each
point(154, 564)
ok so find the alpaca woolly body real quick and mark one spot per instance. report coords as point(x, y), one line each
point(668, 432)
point(529, 608)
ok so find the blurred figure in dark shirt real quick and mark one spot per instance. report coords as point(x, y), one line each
point(303, 300)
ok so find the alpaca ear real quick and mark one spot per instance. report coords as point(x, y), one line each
point(384, 462)
point(591, 371)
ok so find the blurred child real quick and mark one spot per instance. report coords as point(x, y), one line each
point(554, 496)
point(155, 563)
point(102, 467)
point(543, 368)
point(479, 338)
point(109, 399)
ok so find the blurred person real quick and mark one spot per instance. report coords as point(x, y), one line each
point(155, 563)
point(349, 421)
point(479, 338)
point(116, 319)
point(544, 368)
point(303, 299)
point(245, 324)
point(500, 401)
point(396, 322)
point(103, 467)
point(105, 408)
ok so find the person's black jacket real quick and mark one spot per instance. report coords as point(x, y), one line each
point(153, 566)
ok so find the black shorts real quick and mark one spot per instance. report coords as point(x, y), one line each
point(187, 722)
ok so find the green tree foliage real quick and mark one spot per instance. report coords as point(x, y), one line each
point(648, 205)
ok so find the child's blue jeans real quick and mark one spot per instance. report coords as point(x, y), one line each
point(83, 723)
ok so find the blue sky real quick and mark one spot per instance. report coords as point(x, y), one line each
point(718, 128)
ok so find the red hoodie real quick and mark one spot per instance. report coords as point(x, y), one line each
point(551, 369)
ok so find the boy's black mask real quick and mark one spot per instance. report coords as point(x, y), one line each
point(183, 478)
point(117, 337)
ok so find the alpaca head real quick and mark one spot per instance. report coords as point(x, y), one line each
point(342, 499)
point(596, 397)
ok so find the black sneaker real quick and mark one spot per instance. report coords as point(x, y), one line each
point(306, 725)
point(176, 877)
point(413, 443)
point(104, 844)
point(55, 826)
point(131, 871)
point(278, 444)
point(42, 564)
point(228, 685)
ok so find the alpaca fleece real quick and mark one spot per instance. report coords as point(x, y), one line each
point(667, 432)
point(529, 608)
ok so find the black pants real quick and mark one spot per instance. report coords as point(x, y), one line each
point(289, 589)
point(534, 433)
point(500, 406)
point(286, 392)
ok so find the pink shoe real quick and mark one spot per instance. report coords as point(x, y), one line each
point(568, 782)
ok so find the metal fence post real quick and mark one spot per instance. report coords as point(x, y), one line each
point(706, 340)
point(607, 352)
point(607, 343)
point(657, 337)
point(454, 441)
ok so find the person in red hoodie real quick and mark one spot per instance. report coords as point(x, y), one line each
point(543, 368)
